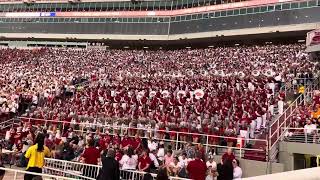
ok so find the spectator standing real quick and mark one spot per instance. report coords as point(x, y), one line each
point(129, 161)
point(144, 161)
point(36, 155)
point(91, 154)
point(197, 168)
point(228, 155)
point(237, 171)
point(110, 167)
point(2, 172)
point(225, 170)
point(168, 158)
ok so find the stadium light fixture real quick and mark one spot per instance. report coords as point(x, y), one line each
point(188, 47)
point(236, 44)
point(126, 47)
point(145, 47)
point(211, 46)
point(301, 40)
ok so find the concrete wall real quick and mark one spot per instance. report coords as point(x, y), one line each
point(305, 174)
point(287, 151)
point(256, 168)
point(299, 148)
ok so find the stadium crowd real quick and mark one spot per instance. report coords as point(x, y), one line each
point(222, 91)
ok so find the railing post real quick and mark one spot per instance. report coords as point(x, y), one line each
point(241, 149)
point(177, 141)
point(305, 136)
point(207, 143)
point(278, 126)
point(285, 119)
point(15, 175)
point(270, 144)
point(64, 168)
point(267, 149)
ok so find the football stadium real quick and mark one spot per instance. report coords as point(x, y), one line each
point(159, 89)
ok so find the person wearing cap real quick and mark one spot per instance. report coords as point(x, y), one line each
point(110, 167)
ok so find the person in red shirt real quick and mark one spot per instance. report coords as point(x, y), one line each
point(125, 142)
point(228, 155)
point(91, 154)
point(136, 143)
point(144, 161)
point(197, 168)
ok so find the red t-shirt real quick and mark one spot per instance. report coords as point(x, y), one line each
point(230, 157)
point(125, 142)
point(91, 155)
point(135, 143)
point(197, 169)
point(144, 161)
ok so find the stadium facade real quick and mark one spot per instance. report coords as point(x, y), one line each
point(147, 22)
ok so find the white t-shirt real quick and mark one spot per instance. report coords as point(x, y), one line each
point(183, 162)
point(178, 165)
point(154, 160)
point(309, 128)
point(237, 173)
point(160, 154)
point(152, 145)
point(213, 164)
point(129, 163)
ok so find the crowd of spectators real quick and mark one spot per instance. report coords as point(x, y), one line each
point(217, 91)
point(221, 91)
point(306, 119)
point(134, 154)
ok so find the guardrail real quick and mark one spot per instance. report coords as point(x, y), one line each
point(16, 173)
point(277, 128)
point(281, 122)
point(208, 141)
point(78, 170)
point(302, 135)
point(8, 123)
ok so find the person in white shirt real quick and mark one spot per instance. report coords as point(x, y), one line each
point(129, 161)
point(174, 167)
point(211, 163)
point(212, 168)
point(183, 160)
point(309, 128)
point(237, 171)
point(154, 159)
point(161, 153)
point(152, 144)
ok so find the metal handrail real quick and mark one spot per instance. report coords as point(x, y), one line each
point(301, 135)
point(280, 127)
point(16, 172)
point(65, 165)
point(176, 140)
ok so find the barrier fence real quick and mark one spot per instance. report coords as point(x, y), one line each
point(302, 135)
point(278, 127)
point(15, 174)
point(88, 171)
point(177, 138)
